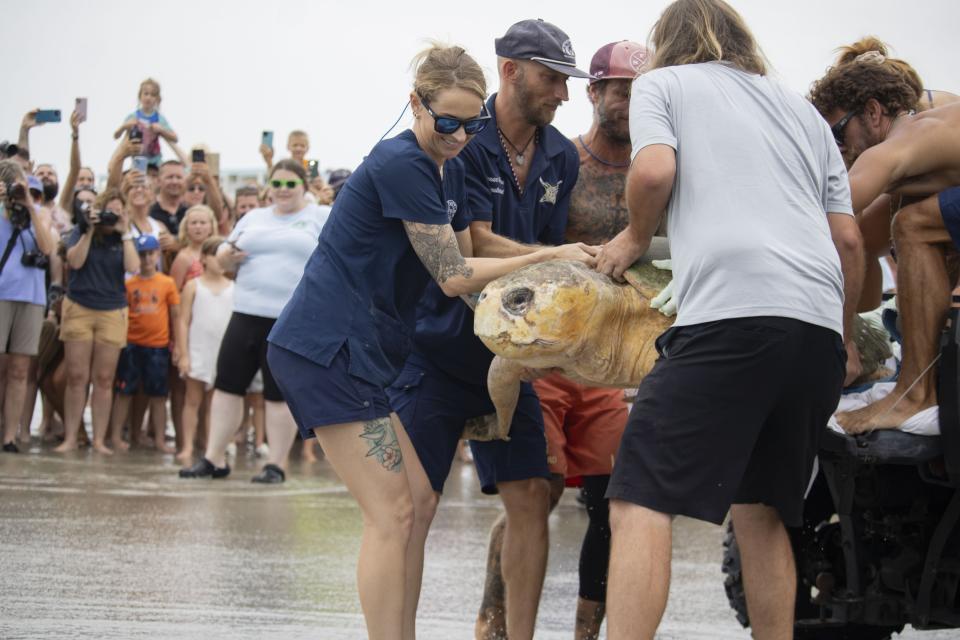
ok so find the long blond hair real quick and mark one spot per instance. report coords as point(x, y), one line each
point(692, 31)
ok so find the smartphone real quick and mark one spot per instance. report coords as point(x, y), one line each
point(213, 161)
point(198, 155)
point(136, 133)
point(48, 115)
point(267, 139)
point(82, 109)
point(140, 164)
point(313, 166)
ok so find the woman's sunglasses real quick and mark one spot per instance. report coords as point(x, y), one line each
point(447, 124)
point(289, 184)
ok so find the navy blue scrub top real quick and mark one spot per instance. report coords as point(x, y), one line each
point(362, 284)
point(444, 325)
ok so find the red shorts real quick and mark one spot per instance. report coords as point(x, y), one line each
point(583, 426)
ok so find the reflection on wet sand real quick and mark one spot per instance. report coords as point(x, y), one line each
point(122, 548)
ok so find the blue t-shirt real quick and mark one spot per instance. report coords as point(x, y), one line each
point(445, 325)
point(363, 281)
point(19, 283)
point(98, 284)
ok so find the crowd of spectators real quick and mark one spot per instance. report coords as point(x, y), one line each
point(123, 281)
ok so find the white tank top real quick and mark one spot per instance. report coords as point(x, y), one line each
point(208, 322)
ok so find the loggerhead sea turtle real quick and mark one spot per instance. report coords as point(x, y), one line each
point(565, 316)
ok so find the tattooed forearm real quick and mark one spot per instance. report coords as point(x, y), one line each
point(382, 440)
point(437, 247)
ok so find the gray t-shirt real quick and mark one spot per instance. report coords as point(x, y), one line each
point(757, 173)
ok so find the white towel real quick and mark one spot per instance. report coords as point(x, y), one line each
point(925, 423)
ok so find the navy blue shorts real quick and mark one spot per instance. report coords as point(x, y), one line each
point(146, 366)
point(321, 396)
point(949, 200)
point(433, 407)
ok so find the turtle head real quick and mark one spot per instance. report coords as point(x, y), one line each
point(539, 311)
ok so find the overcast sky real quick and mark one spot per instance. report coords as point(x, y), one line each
point(340, 69)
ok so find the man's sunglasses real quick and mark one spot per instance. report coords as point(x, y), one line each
point(447, 124)
point(289, 184)
point(838, 129)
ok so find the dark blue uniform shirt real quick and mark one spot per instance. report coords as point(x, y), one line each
point(445, 325)
point(362, 283)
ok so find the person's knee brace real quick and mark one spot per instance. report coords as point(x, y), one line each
point(595, 552)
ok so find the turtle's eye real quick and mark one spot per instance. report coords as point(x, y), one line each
point(516, 301)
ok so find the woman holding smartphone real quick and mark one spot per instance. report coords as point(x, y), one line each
point(267, 250)
point(344, 336)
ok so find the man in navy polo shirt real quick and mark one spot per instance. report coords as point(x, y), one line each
point(520, 173)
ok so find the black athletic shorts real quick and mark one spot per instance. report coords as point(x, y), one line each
point(242, 352)
point(731, 413)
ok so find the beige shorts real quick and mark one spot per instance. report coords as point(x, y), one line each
point(20, 324)
point(89, 325)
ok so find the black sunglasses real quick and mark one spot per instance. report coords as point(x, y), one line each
point(447, 124)
point(838, 129)
point(289, 184)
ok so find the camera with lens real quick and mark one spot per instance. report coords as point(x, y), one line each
point(17, 210)
point(35, 259)
point(81, 216)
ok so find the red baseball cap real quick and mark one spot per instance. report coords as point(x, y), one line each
point(622, 59)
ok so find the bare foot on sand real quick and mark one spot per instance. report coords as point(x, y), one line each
point(65, 446)
point(185, 457)
point(120, 445)
point(102, 448)
point(163, 447)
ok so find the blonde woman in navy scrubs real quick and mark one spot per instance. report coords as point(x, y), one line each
point(344, 335)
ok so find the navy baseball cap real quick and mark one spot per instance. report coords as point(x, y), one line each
point(541, 42)
point(147, 243)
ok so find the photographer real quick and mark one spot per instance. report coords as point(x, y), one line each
point(100, 250)
point(26, 239)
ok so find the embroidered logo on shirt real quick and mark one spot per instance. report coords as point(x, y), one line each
point(451, 209)
point(550, 191)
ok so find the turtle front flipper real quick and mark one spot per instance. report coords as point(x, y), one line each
point(503, 383)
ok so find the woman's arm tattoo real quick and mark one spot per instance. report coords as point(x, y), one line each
point(437, 247)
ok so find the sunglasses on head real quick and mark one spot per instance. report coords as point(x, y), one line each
point(838, 129)
point(448, 124)
point(289, 184)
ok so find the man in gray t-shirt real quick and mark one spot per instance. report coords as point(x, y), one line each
point(765, 252)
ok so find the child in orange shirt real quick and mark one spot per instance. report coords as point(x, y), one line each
point(154, 305)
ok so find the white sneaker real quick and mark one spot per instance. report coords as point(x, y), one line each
point(232, 449)
point(262, 451)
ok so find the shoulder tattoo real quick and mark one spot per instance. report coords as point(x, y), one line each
point(382, 442)
point(437, 247)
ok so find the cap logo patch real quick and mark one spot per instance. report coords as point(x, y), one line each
point(567, 49)
point(638, 59)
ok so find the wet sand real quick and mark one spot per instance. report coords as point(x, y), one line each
point(122, 548)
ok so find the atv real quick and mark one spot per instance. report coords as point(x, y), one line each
point(879, 548)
